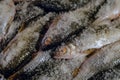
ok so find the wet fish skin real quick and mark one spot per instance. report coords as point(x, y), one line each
point(89, 40)
point(32, 66)
point(26, 11)
point(109, 11)
point(9, 36)
point(106, 57)
point(107, 74)
point(23, 16)
point(22, 45)
point(60, 5)
point(68, 23)
point(44, 65)
point(7, 13)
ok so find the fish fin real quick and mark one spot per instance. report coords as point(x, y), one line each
point(90, 52)
point(98, 21)
point(75, 72)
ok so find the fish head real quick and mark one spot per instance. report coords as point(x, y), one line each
point(53, 34)
point(46, 42)
point(63, 52)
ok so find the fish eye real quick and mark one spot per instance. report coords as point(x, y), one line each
point(48, 41)
point(63, 50)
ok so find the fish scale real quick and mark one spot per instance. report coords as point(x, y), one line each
point(71, 22)
point(104, 58)
point(107, 74)
point(60, 5)
point(34, 65)
point(7, 13)
point(91, 38)
point(23, 16)
point(22, 46)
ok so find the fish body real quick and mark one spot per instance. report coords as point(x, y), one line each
point(104, 58)
point(26, 11)
point(60, 5)
point(10, 34)
point(68, 23)
point(109, 11)
point(24, 15)
point(91, 38)
point(7, 13)
point(108, 74)
point(42, 66)
point(30, 68)
point(22, 45)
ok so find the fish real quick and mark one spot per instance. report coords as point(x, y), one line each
point(108, 74)
point(57, 5)
point(109, 11)
point(90, 39)
point(43, 66)
point(26, 11)
point(67, 24)
point(7, 13)
point(30, 68)
point(103, 58)
point(24, 15)
point(22, 46)
point(10, 34)
point(94, 36)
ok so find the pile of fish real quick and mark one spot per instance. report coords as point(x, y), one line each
point(59, 39)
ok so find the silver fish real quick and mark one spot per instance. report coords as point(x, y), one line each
point(108, 74)
point(110, 11)
point(94, 36)
point(40, 58)
point(43, 66)
point(7, 13)
point(26, 13)
point(68, 23)
point(10, 34)
point(22, 45)
point(105, 57)
point(60, 5)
